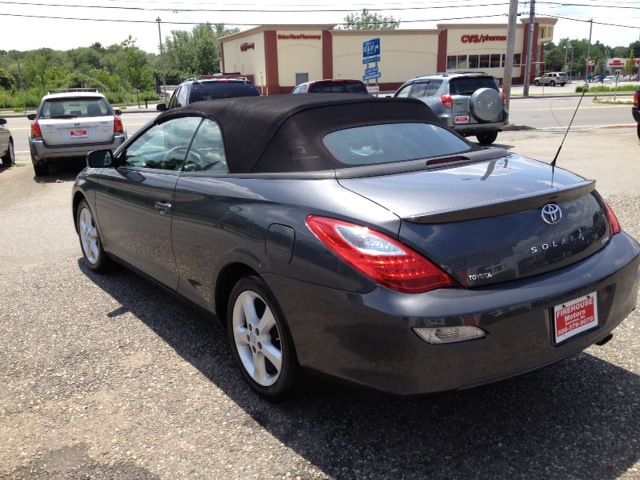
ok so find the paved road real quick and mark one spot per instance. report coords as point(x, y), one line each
point(552, 113)
point(108, 377)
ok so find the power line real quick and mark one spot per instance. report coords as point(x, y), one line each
point(566, 4)
point(635, 27)
point(120, 20)
point(236, 10)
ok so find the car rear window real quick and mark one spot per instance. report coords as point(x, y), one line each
point(338, 87)
point(214, 90)
point(394, 142)
point(468, 85)
point(75, 107)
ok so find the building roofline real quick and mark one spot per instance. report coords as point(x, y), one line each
point(287, 27)
point(399, 31)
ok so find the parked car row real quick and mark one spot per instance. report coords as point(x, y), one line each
point(7, 151)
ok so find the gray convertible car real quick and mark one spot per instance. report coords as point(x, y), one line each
point(359, 238)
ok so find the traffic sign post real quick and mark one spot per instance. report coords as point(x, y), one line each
point(371, 54)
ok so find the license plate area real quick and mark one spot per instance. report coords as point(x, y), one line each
point(79, 133)
point(461, 119)
point(574, 317)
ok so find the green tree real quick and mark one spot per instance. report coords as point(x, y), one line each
point(370, 21)
point(630, 64)
point(7, 80)
point(136, 73)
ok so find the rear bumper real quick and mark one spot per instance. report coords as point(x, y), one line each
point(474, 128)
point(41, 153)
point(368, 338)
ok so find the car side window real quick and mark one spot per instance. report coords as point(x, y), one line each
point(173, 101)
point(419, 89)
point(432, 88)
point(182, 97)
point(163, 146)
point(404, 91)
point(207, 153)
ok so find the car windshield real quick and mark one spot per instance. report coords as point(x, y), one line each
point(337, 87)
point(468, 85)
point(394, 142)
point(75, 107)
point(215, 90)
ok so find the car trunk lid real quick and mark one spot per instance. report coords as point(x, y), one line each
point(483, 222)
point(77, 131)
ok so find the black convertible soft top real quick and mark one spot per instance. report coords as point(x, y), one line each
point(284, 133)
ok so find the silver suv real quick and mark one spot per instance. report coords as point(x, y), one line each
point(552, 79)
point(469, 103)
point(71, 124)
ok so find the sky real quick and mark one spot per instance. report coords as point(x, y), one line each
point(19, 30)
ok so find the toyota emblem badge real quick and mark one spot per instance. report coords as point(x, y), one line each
point(551, 214)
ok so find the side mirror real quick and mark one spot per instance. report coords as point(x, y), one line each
point(2, 121)
point(31, 116)
point(100, 159)
point(117, 111)
point(161, 107)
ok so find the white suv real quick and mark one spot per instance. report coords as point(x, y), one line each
point(71, 124)
point(551, 78)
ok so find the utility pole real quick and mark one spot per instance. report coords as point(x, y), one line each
point(586, 78)
point(24, 98)
point(511, 42)
point(527, 68)
point(164, 80)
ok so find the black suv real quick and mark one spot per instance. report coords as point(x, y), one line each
point(206, 88)
point(469, 103)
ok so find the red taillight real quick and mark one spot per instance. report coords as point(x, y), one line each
point(117, 125)
point(447, 101)
point(614, 224)
point(35, 130)
point(378, 256)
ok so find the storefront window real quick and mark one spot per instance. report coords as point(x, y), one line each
point(473, 61)
point(452, 63)
point(496, 60)
point(462, 62)
point(516, 59)
point(484, 61)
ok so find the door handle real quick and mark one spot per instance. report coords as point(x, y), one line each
point(162, 207)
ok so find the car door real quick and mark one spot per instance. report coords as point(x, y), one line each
point(134, 201)
point(205, 200)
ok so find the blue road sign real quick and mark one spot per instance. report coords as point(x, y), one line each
point(371, 48)
point(375, 59)
point(371, 70)
point(371, 76)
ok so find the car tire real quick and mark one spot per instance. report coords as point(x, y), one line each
point(10, 157)
point(552, 83)
point(486, 105)
point(562, 84)
point(638, 131)
point(536, 83)
point(90, 243)
point(487, 138)
point(260, 340)
point(41, 170)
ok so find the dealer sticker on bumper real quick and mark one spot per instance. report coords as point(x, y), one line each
point(461, 119)
point(576, 316)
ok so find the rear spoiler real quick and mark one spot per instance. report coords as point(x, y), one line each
point(504, 206)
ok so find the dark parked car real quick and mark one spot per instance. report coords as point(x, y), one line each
point(469, 103)
point(7, 151)
point(635, 110)
point(359, 238)
point(331, 86)
point(209, 88)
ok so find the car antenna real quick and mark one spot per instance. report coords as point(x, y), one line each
point(553, 162)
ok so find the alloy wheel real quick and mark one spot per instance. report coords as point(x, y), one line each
point(257, 338)
point(89, 237)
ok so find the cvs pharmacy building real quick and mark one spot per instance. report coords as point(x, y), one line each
point(278, 57)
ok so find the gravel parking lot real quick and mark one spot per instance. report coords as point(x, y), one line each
point(109, 377)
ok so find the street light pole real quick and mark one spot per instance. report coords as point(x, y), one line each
point(527, 68)
point(571, 64)
point(586, 80)
point(164, 80)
